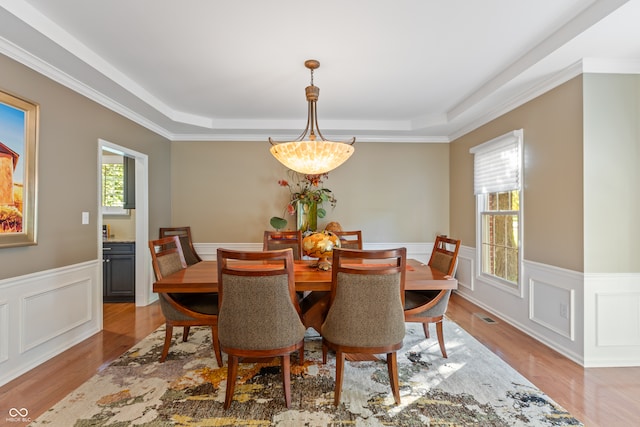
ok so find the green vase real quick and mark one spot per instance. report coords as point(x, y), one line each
point(307, 216)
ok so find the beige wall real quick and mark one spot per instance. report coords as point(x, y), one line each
point(227, 191)
point(70, 126)
point(553, 183)
point(612, 175)
point(122, 227)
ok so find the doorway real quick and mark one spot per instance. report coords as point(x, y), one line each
point(143, 280)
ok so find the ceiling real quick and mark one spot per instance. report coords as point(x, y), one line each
point(395, 70)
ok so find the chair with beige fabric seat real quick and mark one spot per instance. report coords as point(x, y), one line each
point(259, 313)
point(276, 240)
point(184, 233)
point(350, 239)
point(366, 309)
point(430, 306)
point(186, 309)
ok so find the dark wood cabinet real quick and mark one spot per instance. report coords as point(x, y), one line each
point(119, 271)
point(129, 196)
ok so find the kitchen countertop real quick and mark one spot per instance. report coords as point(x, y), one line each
point(118, 240)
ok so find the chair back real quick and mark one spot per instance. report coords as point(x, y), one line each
point(444, 256)
point(350, 239)
point(367, 298)
point(166, 256)
point(429, 306)
point(258, 303)
point(184, 233)
point(182, 309)
point(277, 240)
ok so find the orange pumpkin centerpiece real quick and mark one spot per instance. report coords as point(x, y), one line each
point(320, 245)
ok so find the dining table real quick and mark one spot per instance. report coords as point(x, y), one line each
point(315, 284)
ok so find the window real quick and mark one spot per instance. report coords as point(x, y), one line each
point(499, 238)
point(113, 185)
point(497, 186)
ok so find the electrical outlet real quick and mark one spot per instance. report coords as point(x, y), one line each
point(564, 311)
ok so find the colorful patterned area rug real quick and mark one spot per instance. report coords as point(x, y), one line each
point(473, 387)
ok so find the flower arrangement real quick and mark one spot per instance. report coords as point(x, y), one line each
point(305, 192)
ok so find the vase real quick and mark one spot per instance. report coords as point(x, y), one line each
point(307, 216)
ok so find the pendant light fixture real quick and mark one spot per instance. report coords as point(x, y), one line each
point(311, 153)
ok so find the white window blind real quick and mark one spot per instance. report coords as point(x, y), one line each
point(497, 164)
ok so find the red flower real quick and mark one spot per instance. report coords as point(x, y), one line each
point(283, 183)
point(291, 209)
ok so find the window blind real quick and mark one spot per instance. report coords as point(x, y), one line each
point(497, 164)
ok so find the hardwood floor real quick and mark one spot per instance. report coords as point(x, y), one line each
point(42, 387)
point(596, 396)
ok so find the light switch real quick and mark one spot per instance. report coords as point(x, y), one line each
point(85, 218)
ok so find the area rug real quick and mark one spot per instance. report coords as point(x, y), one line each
point(473, 387)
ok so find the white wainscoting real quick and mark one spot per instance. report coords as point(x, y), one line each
point(464, 271)
point(45, 313)
point(593, 320)
point(612, 320)
point(4, 331)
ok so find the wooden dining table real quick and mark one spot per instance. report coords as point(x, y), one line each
point(203, 278)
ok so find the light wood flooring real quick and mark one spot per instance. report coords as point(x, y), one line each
point(596, 396)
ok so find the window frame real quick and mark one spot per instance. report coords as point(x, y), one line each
point(508, 139)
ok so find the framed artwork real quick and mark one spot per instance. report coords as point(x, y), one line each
point(18, 158)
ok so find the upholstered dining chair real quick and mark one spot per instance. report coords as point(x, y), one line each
point(366, 309)
point(259, 313)
point(187, 309)
point(275, 240)
point(184, 233)
point(350, 239)
point(430, 306)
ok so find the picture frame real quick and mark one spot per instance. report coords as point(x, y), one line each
point(19, 121)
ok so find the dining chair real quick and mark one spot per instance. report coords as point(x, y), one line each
point(430, 306)
point(275, 240)
point(366, 309)
point(182, 309)
point(350, 239)
point(190, 254)
point(259, 312)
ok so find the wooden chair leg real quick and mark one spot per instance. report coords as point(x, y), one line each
point(286, 379)
point(185, 333)
point(392, 366)
point(324, 353)
point(167, 342)
point(301, 355)
point(441, 338)
point(216, 345)
point(339, 372)
point(425, 328)
point(232, 372)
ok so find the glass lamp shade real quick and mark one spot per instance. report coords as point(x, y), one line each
point(312, 157)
